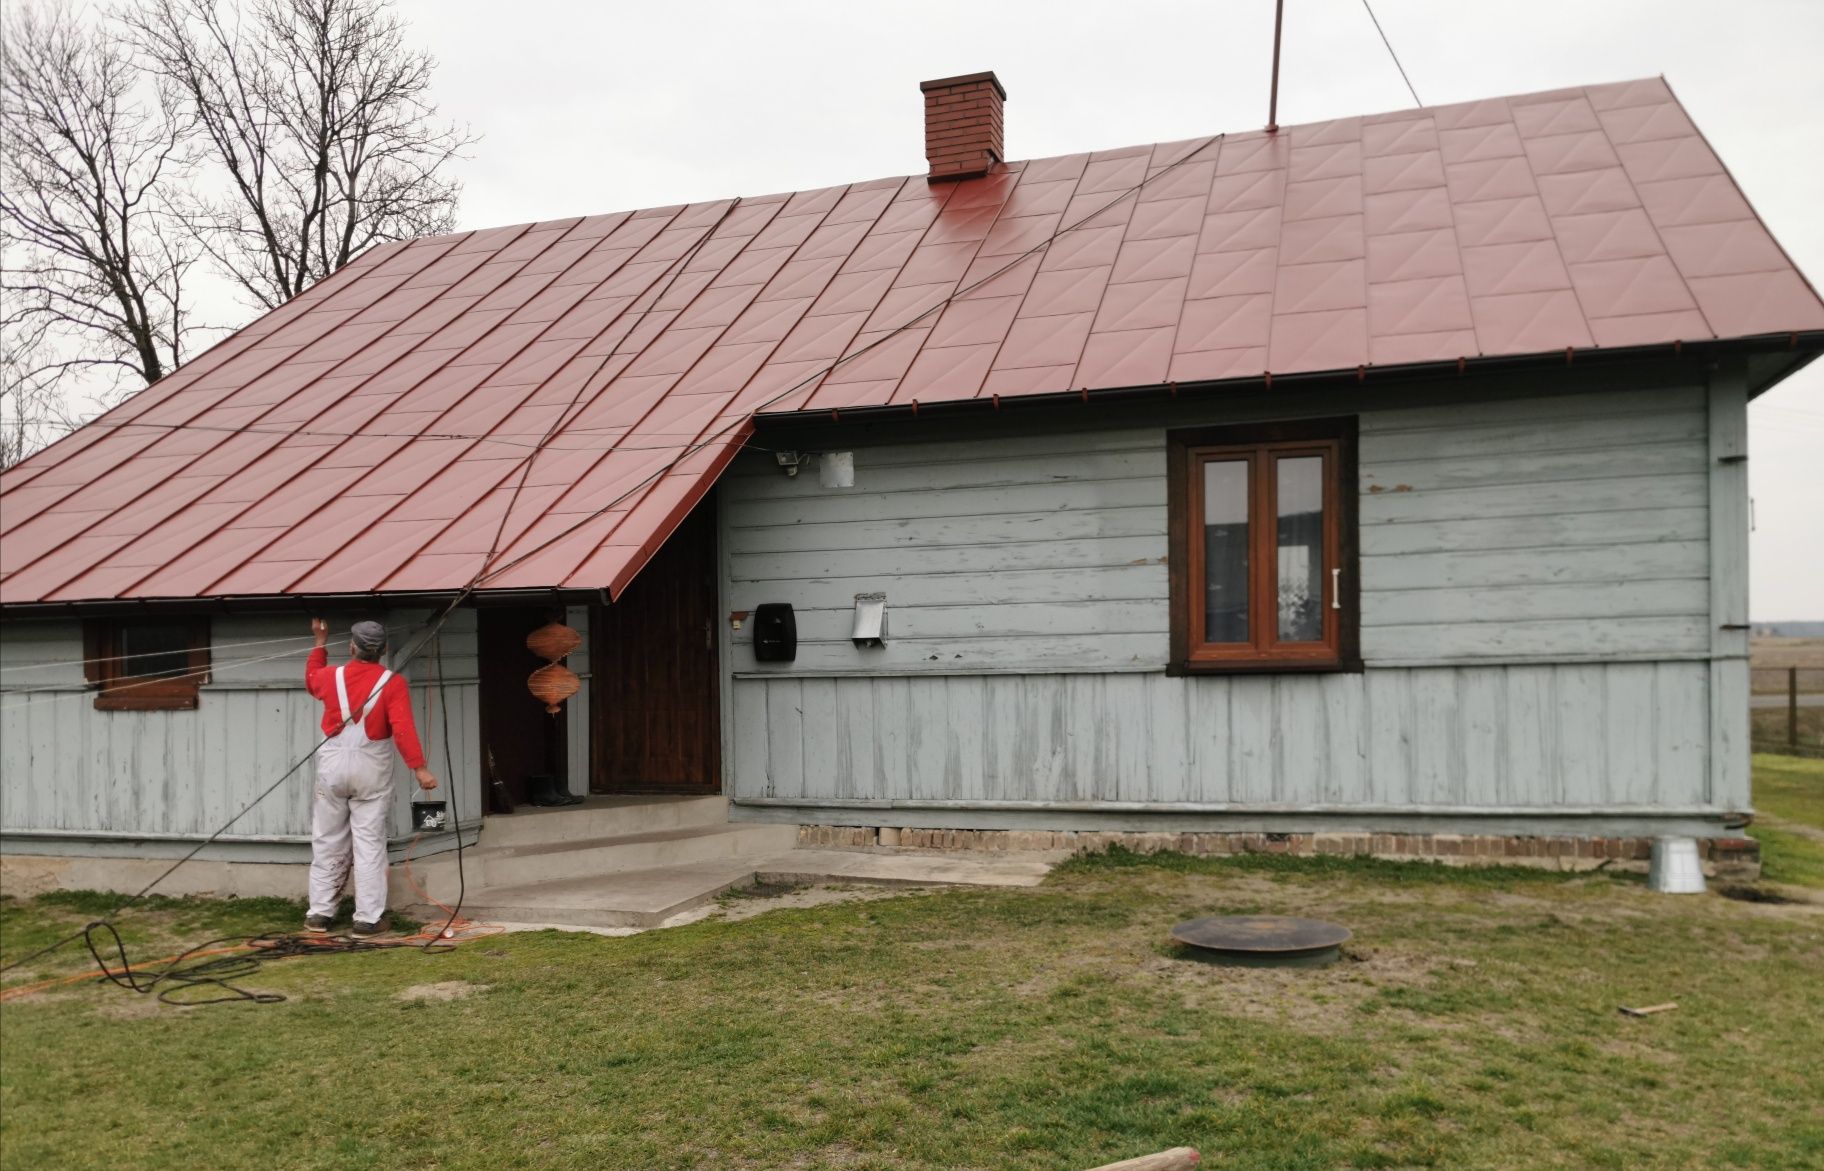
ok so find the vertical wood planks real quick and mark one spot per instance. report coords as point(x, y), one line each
point(1728, 448)
point(1545, 736)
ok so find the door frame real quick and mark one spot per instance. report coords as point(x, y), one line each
point(702, 523)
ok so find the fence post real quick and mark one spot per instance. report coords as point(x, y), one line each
point(1792, 710)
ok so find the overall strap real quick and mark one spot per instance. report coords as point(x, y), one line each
point(373, 697)
point(342, 695)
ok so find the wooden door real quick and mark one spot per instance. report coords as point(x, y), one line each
point(518, 737)
point(654, 691)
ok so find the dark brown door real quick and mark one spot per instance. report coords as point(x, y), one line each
point(518, 737)
point(653, 658)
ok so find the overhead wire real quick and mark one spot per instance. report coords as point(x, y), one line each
point(213, 648)
point(817, 375)
point(1394, 55)
point(431, 628)
point(487, 437)
point(435, 623)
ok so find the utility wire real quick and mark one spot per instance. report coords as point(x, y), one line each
point(214, 648)
point(1394, 55)
point(431, 628)
point(427, 436)
point(435, 623)
point(816, 375)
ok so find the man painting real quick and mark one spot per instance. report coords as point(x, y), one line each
point(365, 706)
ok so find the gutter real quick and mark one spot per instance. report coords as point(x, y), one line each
point(310, 604)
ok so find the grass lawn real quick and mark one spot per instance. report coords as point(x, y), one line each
point(1789, 819)
point(1473, 1024)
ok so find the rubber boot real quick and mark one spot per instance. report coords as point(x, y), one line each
point(543, 789)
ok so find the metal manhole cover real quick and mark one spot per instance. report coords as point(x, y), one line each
point(1262, 940)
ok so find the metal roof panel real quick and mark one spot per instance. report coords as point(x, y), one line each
point(597, 373)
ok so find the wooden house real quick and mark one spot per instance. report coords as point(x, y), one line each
point(1377, 485)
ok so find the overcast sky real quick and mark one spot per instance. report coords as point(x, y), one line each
point(592, 107)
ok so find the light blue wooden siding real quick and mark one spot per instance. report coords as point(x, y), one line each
point(68, 769)
point(1535, 618)
point(1500, 531)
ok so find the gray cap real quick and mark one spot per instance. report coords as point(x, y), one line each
point(369, 637)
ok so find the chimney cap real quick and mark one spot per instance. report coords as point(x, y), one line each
point(964, 79)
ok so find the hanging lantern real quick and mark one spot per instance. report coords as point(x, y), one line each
point(553, 683)
point(553, 641)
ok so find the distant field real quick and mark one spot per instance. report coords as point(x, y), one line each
point(1770, 657)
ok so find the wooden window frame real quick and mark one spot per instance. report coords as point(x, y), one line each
point(117, 690)
point(1261, 445)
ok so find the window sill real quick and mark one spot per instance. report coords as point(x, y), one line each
point(1265, 667)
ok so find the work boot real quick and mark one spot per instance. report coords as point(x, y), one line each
point(379, 927)
point(545, 790)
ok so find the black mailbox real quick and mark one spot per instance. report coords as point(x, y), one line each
point(775, 633)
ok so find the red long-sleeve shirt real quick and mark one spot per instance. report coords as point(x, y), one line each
point(391, 717)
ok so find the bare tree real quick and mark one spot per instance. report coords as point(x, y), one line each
point(319, 116)
point(94, 266)
point(32, 412)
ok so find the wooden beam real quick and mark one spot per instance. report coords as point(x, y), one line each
point(1729, 585)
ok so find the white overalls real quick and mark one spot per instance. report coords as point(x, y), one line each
point(353, 797)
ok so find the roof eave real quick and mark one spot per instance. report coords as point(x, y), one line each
point(1799, 347)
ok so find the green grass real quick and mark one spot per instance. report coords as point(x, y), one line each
point(1767, 728)
point(1789, 803)
point(1473, 1024)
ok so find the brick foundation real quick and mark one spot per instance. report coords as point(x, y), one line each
point(1737, 859)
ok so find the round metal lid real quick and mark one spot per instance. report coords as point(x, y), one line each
point(1272, 934)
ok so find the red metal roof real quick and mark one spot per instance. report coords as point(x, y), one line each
point(372, 434)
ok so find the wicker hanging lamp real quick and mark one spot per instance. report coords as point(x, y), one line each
point(553, 683)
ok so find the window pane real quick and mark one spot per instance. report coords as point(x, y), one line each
point(1300, 493)
point(154, 650)
point(1225, 551)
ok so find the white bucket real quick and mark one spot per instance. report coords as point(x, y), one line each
point(1675, 869)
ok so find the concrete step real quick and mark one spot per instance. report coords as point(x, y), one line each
point(498, 865)
point(600, 817)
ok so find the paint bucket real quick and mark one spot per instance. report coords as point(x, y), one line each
point(429, 817)
point(1675, 869)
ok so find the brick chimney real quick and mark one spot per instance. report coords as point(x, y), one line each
point(963, 128)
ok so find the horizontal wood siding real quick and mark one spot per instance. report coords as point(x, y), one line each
point(1551, 737)
point(72, 769)
point(1511, 529)
point(1535, 616)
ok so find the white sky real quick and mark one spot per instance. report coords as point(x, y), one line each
point(591, 107)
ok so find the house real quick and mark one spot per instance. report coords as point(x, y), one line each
point(1376, 485)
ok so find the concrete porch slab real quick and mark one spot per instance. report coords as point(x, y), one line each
point(644, 899)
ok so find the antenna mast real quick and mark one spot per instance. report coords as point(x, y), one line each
point(1279, 16)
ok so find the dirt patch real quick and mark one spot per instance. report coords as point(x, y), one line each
point(442, 990)
point(1754, 894)
point(758, 900)
point(130, 1006)
point(1310, 999)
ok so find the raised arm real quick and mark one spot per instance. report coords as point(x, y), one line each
point(319, 656)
